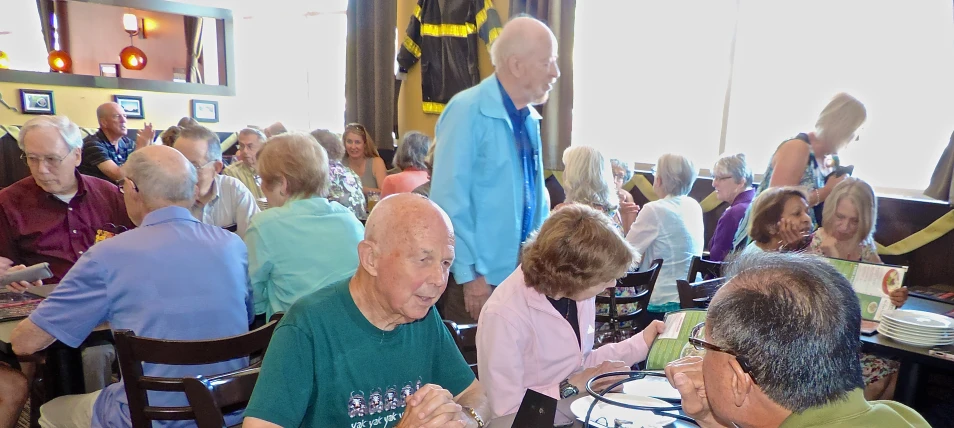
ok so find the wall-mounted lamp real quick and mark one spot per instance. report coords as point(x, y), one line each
point(134, 25)
point(60, 61)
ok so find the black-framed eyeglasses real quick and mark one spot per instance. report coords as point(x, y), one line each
point(123, 183)
point(695, 339)
point(48, 160)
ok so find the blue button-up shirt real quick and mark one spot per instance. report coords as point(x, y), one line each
point(171, 278)
point(518, 119)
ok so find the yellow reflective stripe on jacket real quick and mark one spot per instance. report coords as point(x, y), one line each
point(432, 107)
point(494, 33)
point(482, 15)
point(444, 30)
point(417, 12)
point(412, 47)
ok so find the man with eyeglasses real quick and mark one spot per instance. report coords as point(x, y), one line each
point(781, 350)
point(56, 214)
point(221, 200)
point(250, 141)
point(106, 150)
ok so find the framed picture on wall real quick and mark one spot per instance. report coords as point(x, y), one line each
point(132, 106)
point(35, 101)
point(205, 111)
point(109, 70)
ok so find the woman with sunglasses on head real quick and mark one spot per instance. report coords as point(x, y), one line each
point(537, 330)
point(847, 232)
point(363, 158)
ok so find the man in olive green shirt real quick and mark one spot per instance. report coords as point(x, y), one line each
point(781, 342)
point(250, 141)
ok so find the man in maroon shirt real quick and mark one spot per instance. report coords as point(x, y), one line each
point(54, 215)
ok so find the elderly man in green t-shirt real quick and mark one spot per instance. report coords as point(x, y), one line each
point(781, 342)
point(371, 351)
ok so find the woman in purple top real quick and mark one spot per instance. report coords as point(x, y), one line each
point(732, 180)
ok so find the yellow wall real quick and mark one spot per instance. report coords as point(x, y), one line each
point(162, 109)
point(410, 115)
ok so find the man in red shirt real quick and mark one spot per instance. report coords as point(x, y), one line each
point(56, 214)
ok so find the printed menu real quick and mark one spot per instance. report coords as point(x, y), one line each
point(673, 343)
point(872, 283)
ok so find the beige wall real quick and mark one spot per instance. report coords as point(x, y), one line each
point(410, 115)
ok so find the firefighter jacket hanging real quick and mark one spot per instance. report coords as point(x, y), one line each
point(443, 35)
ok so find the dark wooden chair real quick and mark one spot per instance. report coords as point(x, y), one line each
point(132, 351)
point(708, 268)
point(214, 397)
point(643, 283)
point(696, 295)
point(465, 335)
point(277, 316)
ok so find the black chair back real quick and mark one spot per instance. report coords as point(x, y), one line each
point(133, 351)
point(465, 335)
point(696, 295)
point(644, 283)
point(708, 268)
point(214, 397)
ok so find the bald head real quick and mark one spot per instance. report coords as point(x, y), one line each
point(163, 176)
point(112, 121)
point(519, 37)
point(401, 217)
point(525, 61)
point(105, 110)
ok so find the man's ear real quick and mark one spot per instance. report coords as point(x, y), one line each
point(218, 167)
point(741, 383)
point(514, 65)
point(368, 256)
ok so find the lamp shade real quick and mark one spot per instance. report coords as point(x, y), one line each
point(4, 60)
point(130, 23)
point(132, 58)
point(60, 61)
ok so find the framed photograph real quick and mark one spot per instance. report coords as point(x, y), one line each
point(109, 70)
point(35, 101)
point(205, 111)
point(132, 106)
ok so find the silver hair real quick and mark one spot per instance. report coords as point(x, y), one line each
point(254, 132)
point(623, 165)
point(735, 166)
point(507, 45)
point(412, 151)
point(677, 173)
point(840, 119)
point(214, 152)
point(158, 184)
point(64, 126)
point(588, 178)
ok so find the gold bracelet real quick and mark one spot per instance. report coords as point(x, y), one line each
point(477, 418)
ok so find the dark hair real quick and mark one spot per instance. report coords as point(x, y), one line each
point(795, 321)
point(204, 134)
point(187, 122)
point(767, 210)
point(170, 135)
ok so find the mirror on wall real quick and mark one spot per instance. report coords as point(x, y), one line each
point(130, 44)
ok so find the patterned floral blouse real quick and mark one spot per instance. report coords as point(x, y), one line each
point(346, 189)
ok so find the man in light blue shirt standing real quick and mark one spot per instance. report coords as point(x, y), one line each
point(488, 173)
point(171, 278)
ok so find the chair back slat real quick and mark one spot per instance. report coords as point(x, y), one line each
point(209, 396)
point(696, 295)
point(465, 336)
point(708, 268)
point(132, 351)
point(643, 282)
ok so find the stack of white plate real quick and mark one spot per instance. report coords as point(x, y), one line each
point(917, 328)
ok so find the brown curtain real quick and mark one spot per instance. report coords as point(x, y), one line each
point(369, 81)
point(557, 113)
point(193, 32)
point(45, 9)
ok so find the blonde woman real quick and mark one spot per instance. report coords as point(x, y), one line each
point(363, 157)
point(800, 160)
point(588, 180)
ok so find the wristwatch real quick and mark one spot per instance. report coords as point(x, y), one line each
point(473, 413)
point(567, 389)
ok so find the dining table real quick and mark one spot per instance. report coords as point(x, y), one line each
point(564, 413)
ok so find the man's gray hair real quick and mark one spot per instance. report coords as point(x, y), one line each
point(253, 132)
point(202, 133)
point(677, 173)
point(794, 321)
point(332, 144)
point(734, 166)
point(412, 151)
point(588, 178)
point(64, 126)
point(157, 184)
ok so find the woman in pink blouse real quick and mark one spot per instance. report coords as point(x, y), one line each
point(536, 330)
point(410, 158)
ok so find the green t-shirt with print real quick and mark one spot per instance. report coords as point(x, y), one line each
point(328, 366)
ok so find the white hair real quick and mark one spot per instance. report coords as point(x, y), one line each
point(511, 43)
point(64, 126)
point(156, 183)
point(840, 119)
point(588, 178)
point(677, 174)
point(735, 166)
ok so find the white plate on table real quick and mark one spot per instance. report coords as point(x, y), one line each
point(914, 334)
point(920, 319)
point(915, 342)
point(652, 386)
point(639, 418)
